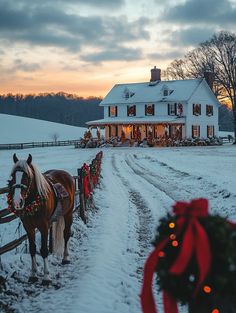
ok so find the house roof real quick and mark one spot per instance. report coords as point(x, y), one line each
point(137, 120)
point(178, 90)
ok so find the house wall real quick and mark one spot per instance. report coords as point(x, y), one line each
point(203, 96)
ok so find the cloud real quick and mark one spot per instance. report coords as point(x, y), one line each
point(58, 28)
point(117, 53)
point(218, 12)
point(25, 67)
point(165, 55)
point(191, 36)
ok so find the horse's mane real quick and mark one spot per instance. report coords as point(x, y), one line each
point(42, 185)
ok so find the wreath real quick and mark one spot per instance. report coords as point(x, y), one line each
point(194, 258)
point(30, 209)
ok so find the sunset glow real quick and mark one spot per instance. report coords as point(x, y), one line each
point(86, 47)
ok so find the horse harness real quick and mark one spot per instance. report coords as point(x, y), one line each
point(60, 194)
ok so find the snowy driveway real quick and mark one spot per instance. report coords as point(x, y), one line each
point(138, 187)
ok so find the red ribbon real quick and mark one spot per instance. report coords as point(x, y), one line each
point(195, 240)
point(86, 181)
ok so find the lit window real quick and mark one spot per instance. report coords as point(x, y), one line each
point(210, 131)
point(113, 111)
point(131, 110)
point(209, 110)
point(196, 109)
point(149, 109)
point(195, 131)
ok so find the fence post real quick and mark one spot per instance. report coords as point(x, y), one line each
point(82, 206)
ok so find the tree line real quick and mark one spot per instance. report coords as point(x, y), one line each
point(55, 107)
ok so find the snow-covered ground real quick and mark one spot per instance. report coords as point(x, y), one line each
point(138, 186)
point(15, 129)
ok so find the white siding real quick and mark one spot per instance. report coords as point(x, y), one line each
point(202, 96)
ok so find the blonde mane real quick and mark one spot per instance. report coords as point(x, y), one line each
point(42, 185)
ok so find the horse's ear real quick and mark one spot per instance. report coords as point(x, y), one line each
point(15, 158)
point(29, 160)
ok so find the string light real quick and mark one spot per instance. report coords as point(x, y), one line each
point(172, 225)
point(175, 243)
point(207, 289)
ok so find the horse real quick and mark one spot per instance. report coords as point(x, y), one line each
point(39, 200)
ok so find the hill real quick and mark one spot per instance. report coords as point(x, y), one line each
point(15, 129)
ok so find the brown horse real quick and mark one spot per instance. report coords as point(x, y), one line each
point(39, 199)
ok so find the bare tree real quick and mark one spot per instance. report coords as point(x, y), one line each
point(55, 136)
point(217, 55)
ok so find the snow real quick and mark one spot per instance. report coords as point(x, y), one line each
point(143, 92)
point(15, 129)
point(138, 120)
point(138, 187)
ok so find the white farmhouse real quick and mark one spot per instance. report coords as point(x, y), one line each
point(177, 108)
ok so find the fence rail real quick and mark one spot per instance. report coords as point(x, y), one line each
point(85, 182)
point(39, 144)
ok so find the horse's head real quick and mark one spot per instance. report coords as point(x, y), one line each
point(21, 181)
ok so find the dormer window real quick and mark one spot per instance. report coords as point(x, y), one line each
point(127, 93)
point(165, 92)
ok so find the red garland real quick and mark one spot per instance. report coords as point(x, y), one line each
point(86, 180)
point(195, 240)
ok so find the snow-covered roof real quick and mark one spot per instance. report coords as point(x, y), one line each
point(178, 90)
point(138, 120)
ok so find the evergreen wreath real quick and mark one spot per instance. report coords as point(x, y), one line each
point(194, 258)
point(221, 277)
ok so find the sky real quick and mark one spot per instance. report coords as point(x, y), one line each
point(86, 46)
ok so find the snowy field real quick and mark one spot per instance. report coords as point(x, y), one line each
point(138, 186)
point(16, 129)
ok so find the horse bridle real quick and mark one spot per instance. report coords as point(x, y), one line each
point(22, 186)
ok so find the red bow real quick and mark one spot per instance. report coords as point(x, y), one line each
point(195, 240)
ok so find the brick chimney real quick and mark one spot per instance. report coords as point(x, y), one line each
point(155, 74)
point(209, 77)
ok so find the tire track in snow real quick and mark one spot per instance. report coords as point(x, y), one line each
point(184, 186)
point(144, 216)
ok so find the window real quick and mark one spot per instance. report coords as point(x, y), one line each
point(172, 108)
point(209, 110)
point(195, 131)
point(112, 111)
point(165, 92)
point(180, 109)
point(131, 110)
point(196, 109)
point(149, 109)
point(210, 131)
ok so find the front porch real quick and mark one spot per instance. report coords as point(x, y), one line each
point(139, 132)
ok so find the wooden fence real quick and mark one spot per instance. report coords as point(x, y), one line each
point(39, 144)
point(86, 180)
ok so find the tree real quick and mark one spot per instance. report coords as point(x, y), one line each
point(217, 55)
